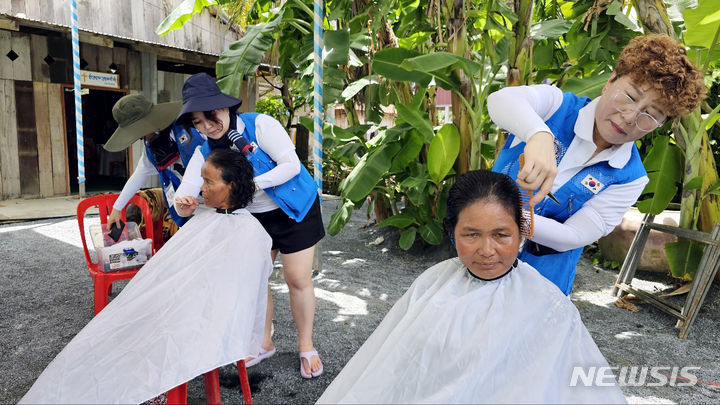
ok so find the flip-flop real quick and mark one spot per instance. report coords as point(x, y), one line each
point(307, 356)
point(264, 354)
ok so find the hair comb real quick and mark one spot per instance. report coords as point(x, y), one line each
point(527, 214)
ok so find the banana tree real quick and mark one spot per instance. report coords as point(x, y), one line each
point(700, 203)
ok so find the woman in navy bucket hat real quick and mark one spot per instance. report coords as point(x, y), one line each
point(286, 200)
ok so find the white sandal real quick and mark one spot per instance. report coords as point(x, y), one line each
point(264, 354)
point(307, 356)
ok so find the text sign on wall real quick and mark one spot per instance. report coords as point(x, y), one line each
point(99, 79)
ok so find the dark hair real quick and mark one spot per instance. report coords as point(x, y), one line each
point(480, 185)
point(236, 170)
point(186, 119)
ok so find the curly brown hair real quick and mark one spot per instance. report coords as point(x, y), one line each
point(660, 62)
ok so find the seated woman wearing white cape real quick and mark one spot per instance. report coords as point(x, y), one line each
point(198, 304)
point(480, 328)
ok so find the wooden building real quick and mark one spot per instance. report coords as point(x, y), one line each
point(121, 52)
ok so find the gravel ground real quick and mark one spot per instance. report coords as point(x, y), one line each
point(46, 298)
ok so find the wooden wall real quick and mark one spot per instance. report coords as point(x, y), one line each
point(52, 157)
point(33, 146)
point(10, 71)
point(9, 163)
point(27, 138)
point(170, 86)
point(19, 69)
point(32, 136)
point(132, 19)
point(99, 59)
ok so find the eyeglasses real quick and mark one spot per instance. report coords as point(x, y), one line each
point(625, 104)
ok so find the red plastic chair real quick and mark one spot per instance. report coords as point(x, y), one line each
point(178, 395)
point(101, 280)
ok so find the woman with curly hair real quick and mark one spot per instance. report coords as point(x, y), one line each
point(583, 151)
point(186, 311)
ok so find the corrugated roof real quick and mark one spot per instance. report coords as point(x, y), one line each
point(20, 20)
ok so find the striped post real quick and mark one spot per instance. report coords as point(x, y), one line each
point(318, 113)
point(318, 93)
point(78, 98)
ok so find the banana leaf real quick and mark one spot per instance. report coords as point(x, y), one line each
point(244, 56)
point(336, 46)
point(684, 258)
point(664, 166)
point(386, 62)
point(411, 146)
point(588, 86)
point(417, 120)
point(371, 168)
point(181, 14)
point(444, 149)
point(399, 221)
point(340, 217)
point(431, 233)
point(407, 237)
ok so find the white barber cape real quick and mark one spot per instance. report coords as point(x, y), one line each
point(453, 338)
point(198, 304)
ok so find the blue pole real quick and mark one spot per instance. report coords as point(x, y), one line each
point(318, 93)
point(78, 98)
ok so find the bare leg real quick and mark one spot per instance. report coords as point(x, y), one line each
point(267, 343)
point(297, 268)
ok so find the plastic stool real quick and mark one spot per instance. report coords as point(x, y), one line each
point(178, 395)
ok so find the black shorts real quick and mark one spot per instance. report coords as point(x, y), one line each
point(290, 236)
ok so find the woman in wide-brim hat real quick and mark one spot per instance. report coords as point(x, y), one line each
point(286, 201)
point(167, 151)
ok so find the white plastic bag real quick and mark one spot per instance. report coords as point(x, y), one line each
point(126, 254)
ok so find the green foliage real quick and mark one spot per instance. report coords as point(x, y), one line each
point(368, 172)
point(407, 237)
point(572, 43)
point(664, 167)
point(182, 14)
point(587, 87)
point(387, 62)
point(244, 56)
point(442, 152)
point(702, 22)
point(399, 221)
point(684, 257)
point(273, 106)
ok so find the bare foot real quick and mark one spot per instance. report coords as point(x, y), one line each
point(265, 348)
point(314, 360)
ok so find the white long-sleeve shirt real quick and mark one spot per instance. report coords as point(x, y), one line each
point(142, 173)
point(523, 110)
point(273, 140)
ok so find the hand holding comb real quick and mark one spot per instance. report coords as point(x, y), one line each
point(550, 195)
point(527, 214)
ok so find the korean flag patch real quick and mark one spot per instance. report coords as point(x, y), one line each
point(592, 184)
point(184, 139)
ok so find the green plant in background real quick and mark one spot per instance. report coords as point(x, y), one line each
point(688, 160)
point(382, 55)
point(273, 106)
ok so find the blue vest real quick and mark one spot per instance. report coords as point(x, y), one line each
point(295, 196)
point(560, 267)
point(170, 180)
